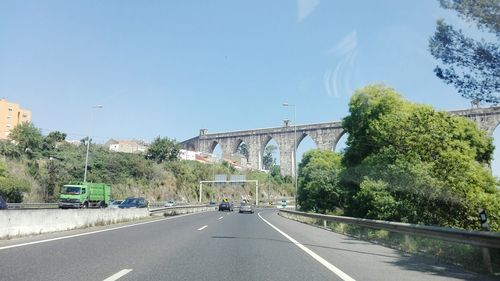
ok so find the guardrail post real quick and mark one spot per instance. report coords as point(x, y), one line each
point(406, 245)
point(487, 260)
point(483, 219)
point(363, 233)
point(201, 186)
point(324, 224)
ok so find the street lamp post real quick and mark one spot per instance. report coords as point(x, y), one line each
point(294, 158)
point(88, 144)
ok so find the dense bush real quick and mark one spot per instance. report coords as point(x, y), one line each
point(411, 163)
point(319, 176)
point(403, 162)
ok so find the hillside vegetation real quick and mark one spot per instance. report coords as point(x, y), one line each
point(34, 167)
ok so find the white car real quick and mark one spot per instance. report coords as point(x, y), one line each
point(170, 203)
point(114, 204)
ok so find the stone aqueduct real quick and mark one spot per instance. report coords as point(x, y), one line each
point(325, 135)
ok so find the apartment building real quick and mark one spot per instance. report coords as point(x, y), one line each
point(11, 114)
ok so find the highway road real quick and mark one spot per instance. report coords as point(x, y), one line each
point(213, 246)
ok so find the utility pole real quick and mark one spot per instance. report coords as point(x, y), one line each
point(88, 143)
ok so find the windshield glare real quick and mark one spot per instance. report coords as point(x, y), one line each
point(70, 190)
point(131, 201)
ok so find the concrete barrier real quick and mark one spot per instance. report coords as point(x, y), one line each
point(14, 223)
point(179, 210)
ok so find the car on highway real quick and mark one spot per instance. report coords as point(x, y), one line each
point(115, 204)
point(170, 203)
point(3, 204)
point(245, 208)
point(226, 206)
point(133, 202)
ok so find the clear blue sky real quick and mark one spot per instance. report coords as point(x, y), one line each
point(170, 68)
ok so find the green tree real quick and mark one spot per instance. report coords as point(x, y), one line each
point(366, 106)
point(9, 149)
point(243, 150)
point(55, 137)
point(12, 189)
point(319, 176)
point(50, 142)
point(27, 137)
point(275, 173)
point(54, 177)
point(163, 150)
point(374, 201)
point(430, 166)
point(471, 66)
point(268, 160)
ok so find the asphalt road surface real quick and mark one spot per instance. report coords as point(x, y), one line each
point(213, 246)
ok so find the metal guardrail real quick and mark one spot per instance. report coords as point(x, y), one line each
point(161, 209)
point(161, 204)
point(15, 206)
point(476, 238)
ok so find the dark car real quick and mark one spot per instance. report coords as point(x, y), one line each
point(133, 202)
point(3, 204)
point(226, 206)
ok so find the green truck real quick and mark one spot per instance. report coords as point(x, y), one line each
point(84, 195)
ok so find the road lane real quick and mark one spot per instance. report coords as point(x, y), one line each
point(366, 261)
point(315, 256)
point(97, 256)
point(237, 247)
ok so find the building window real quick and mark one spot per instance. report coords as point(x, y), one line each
point(9, 117)
point(25, 115)
point(9, 125)
point(10, 108)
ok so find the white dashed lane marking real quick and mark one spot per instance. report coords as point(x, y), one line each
point(117, 275)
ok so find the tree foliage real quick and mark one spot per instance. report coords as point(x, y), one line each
point(9, 149)
point(243, 150)
point(427, 166)
point(471, 66)
point(485, 13)
point(366, 106)
point(163, 150)
point(27, 137)
point(268, 160)
point(12, 189)
point(319, 176)
point(50, 142)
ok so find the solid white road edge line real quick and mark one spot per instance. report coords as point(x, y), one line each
point(321, 260)
point(203, 227)
point(117, 275)
point(92, 232)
